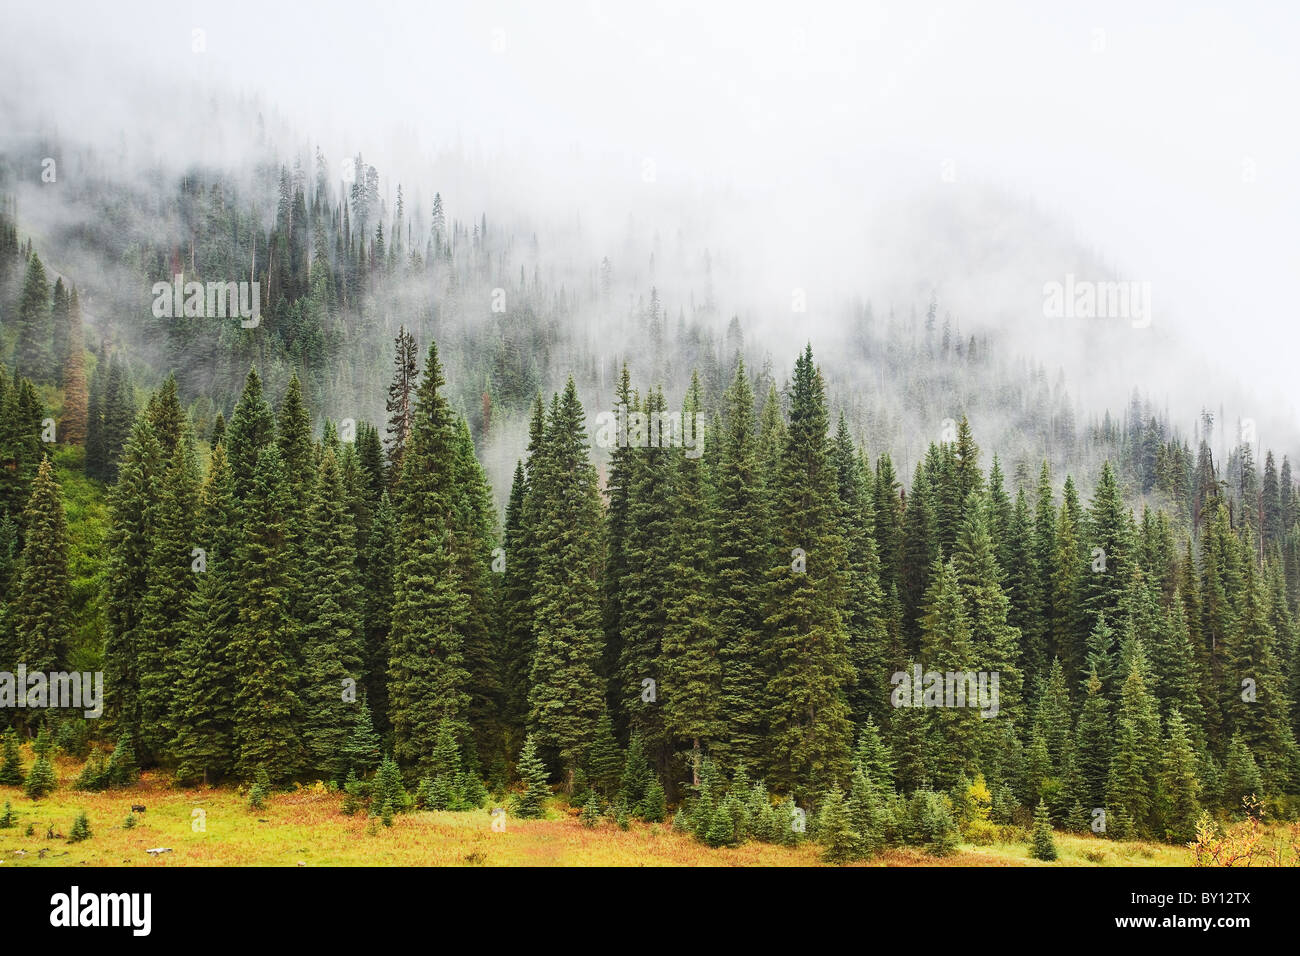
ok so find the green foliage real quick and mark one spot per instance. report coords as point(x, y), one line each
point(653, 806)
point(122, 769)
point(41, 780)
point(840, 841)
point(387, 791)
point(95, 775)
point(80, 829)
point(260, 792)
point(11, 770)
point(530, 802)
point(1044, 846)
point(590, 815)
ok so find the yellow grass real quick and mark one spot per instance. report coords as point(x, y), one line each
point(306, 827)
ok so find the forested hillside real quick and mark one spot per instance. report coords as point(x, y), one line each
point(377, 540)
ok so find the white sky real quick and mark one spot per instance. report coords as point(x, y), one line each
point(1164, 133)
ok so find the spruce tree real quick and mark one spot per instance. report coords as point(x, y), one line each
point(530, 803)
point(647, 576)
point(810, 732)
point(1044, 846)
point(170, 584)
point(427, 676)
point(566, 695)
point(1092, 746)
point(331, 638)
point(517, 618)
point(840, 841)
point(132, 528)
point(268, 715)
point(1179, 786)
point(362, 752)
point(41, 781)
point(41, 599)
point(33, 354)
point(204, 707)
point(11, 771)
point(738, 535)
point(866, 614)
point(401, 400)
point(1135, 757)
point(1242, 779)
point(692, 670)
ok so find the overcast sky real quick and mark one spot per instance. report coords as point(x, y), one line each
point(1163, 134)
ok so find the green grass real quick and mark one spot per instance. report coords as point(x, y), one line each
point(306, 827)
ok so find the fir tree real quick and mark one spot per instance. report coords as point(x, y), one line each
point(1044, 846)
point(41, 599)
point(11, 771)
point(738, 560)
point(811, 669)
point(40, 781)
point(692, 670)
point(333, 647)
point(530, 803)
point(401, 402)
point(203, 708)
point(1179, 786)
point(267, 719)
point(131, 533)
point(566, 695)
point(33, 356)
point(427, 676)
point(840, 841)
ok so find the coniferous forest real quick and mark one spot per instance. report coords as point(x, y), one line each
point(452, 519)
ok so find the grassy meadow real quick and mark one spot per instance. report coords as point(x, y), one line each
point(306, 827)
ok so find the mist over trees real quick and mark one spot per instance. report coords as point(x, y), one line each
point(378, 526)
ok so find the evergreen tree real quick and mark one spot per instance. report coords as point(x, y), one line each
point(1179, 786)
point(1044, 846)
point(401, 400)
point(427, 676)
point(866, 615)
point(332, 642)
point(1092, 745)
point(11, 771)
point(117, 418)
point(738, 560)
point(1241, 776)
point(692, 670)
point(41, 781)
point(268, 714)
point(362, 751)
point(840, 842)
point(566, 695)
point(647, 576)
point(1135, 757)
point(203, 708)
point(33, 355)
point(130, 535)
point(41, 599)
point(532, 774)
point(170, 584)
point(811, 670)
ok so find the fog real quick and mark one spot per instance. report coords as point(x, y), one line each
point(886, 152)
